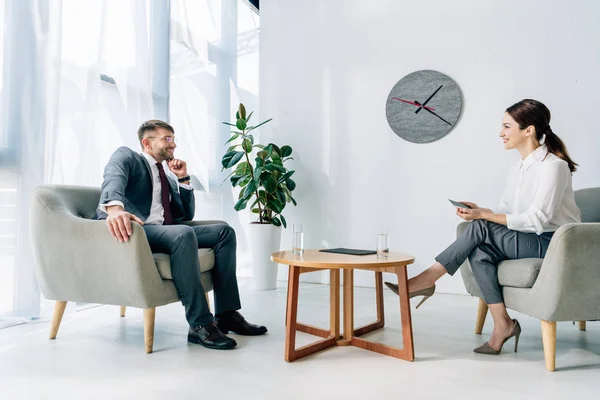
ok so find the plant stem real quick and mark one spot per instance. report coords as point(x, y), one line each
point(260, 219)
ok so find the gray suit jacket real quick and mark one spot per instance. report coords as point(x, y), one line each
point(128, 178)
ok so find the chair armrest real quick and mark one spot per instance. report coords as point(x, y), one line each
point(78, 260)
point(567, 286)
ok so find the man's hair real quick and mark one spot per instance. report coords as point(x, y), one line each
point(152, 126)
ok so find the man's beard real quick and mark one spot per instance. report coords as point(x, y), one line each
point(166, 155)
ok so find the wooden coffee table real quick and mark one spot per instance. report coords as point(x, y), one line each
point(314, 260)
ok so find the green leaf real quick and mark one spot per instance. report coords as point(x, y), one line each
point(262, 154)
point(251, 138)
point(285, 176)
point(251, 188)
point(237, 115)
point(281, 196)
point(293, 201)
point(275, 221)
point(260, 146)
point(231, 139)
point(240, 204)
point(257, 173)
point(283, 221)
point(245, 180)
point(235, 179)
point(269, 182)
point(276, 158)
point(261, 124)
point(269, 150)
point(275, 205)
point(227, 123)
point(249, 116)
point(247, 145)
point(286, 151)
point(232, 148)
point(255, 210)
point(276, 149)
point(275, 167)
point(241, 124)
point(242, 168)
point(290, 184)
point(231, 158)
point(242, 111)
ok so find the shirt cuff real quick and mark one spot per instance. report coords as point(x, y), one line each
point(517, 221)
point(183, 185)
point(103, 207)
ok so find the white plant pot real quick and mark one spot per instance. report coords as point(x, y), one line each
point(264, 239)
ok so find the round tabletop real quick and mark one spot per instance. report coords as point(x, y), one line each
point(319, 259)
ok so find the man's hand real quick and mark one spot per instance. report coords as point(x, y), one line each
point(469, 214)
point(178, 167)
point(119, 223)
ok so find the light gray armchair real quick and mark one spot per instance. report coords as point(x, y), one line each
point(78, 260)
point(563, 286)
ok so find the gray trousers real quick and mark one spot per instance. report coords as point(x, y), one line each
point(485, 244)
point(182, 243)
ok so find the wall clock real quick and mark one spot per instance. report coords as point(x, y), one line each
point(423, 106)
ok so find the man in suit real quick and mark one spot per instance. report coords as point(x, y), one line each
point(136, 188)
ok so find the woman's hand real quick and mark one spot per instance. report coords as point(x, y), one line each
point(470, 214)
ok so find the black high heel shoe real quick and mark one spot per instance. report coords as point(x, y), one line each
point(487, 349)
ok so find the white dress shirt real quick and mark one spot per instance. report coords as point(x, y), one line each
point(157, 211)
point(539, 194)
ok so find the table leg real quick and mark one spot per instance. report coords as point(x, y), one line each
point(334, 303)
point(292, 325)
point(380, 322)
point(407, 333)
point(348, 308)
point(406, 353)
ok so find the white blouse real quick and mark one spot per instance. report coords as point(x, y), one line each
point(539, 194)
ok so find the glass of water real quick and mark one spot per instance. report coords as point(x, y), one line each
point(383, 243)
point(298, 239)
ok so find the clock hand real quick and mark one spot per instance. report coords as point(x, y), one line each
point(410, 102)
point(431, 112)
point(427, 101)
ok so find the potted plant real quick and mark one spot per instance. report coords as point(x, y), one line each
point(266, 184)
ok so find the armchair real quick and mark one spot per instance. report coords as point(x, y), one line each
point(78, 260)
point(561, 287)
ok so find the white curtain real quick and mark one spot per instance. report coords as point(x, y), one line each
point(213, 67)
point(80, 76)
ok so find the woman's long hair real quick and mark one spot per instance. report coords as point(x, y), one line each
point(532, 112)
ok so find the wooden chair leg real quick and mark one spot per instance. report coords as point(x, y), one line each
point(123, 308)
point(149, 315)
point(59, 310)
point(582, 325)
point(482, 310)
point(549, 341)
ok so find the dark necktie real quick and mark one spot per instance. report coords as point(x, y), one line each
point(165, 190)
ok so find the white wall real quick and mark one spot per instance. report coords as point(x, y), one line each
point(328, 66)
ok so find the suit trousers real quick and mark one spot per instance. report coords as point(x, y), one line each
point(485, 244)
point(182, 243)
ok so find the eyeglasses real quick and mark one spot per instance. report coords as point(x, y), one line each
point(168, 139)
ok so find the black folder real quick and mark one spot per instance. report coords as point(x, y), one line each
point(353, 252)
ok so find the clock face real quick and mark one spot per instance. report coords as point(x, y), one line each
point(423, 106)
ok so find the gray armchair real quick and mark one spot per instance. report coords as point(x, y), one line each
point(564, 286)
point(78, 260)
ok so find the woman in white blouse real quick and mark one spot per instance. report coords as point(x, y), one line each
point(537, 200)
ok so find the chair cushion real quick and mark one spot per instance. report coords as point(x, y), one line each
point(519, 273)
point(206, 258)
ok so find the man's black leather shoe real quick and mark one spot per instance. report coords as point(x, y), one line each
point(235, 323)
point(211, 337)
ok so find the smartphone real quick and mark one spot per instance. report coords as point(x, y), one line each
point(457, 204)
